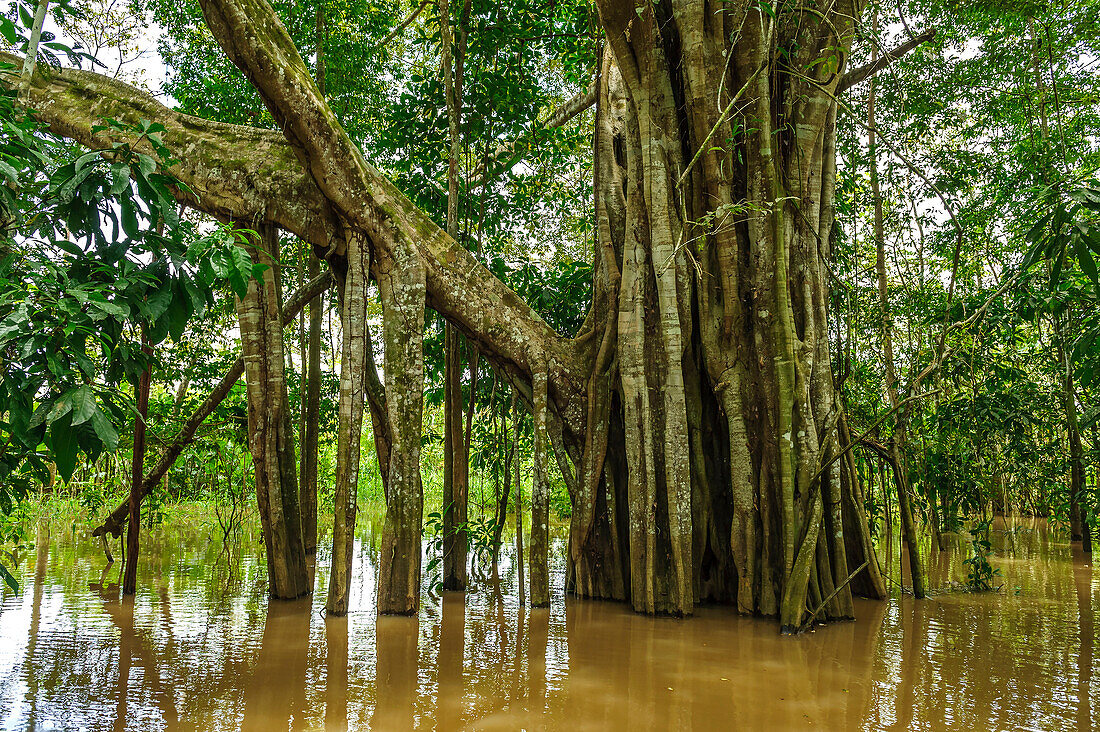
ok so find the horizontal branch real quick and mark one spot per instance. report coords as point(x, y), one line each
point(861, 73)
point(257, 176)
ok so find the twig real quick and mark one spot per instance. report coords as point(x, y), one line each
point(802, 628)
point(404, 24)
point(868, 431)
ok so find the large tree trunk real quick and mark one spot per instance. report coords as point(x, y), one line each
point(270, 436)
point(694, 417)
point(717, 289)
point(401, 284)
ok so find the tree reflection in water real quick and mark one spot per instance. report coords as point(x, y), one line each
point(191, 652)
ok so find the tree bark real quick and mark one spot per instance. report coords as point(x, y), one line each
point(270, 436)
point(456, 464)
point(133, 531)
point(540, 498)
point(401, 284)
point(353, 370)
point(311, 388)
point(113, 523)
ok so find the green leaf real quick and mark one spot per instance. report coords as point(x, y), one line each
point(120, 178)
point(9, 578)
point(129, 217)
point(111, 308)
point(10, 173)
point(63, 447)
point(68, 189)
point(105, 430)
point(84, 404)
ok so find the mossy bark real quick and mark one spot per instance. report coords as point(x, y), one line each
point(353, 368)
point(270, 431)
point(693, 414)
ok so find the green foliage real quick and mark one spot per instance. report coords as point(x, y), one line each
point(981, 574)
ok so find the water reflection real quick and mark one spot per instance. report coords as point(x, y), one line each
point(199, 648)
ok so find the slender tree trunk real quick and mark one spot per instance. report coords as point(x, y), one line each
point(456, 480)
point(270, 435)
point(1078, 513)
point(31, 60)
point(898, 447)
point(133, 531)
point(518, 508)
point(501, 513)
point(540, 497)
point(311, 427)
point(311, 389)
point(456, 462)
point(353, 371)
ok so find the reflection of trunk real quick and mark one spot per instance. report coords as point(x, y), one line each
point(275, 693)
point(538, 637)
point(899, 445)
point(269, 427)
point(336, 675)
point(396, 667)
point(353, 371)
point(125, 659)
point(452, 636)
point(1082, 582)
point(133, 531)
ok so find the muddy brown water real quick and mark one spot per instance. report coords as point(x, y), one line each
point(200, 648)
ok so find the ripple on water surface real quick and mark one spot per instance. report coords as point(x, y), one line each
point(200, 648)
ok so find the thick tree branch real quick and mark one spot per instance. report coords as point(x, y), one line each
point(459, 287)
point(254, 175)
point(861, 73)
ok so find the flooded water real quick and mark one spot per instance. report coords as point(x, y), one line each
point(202, 649)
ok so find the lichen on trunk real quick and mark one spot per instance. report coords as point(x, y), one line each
point(270, 431)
